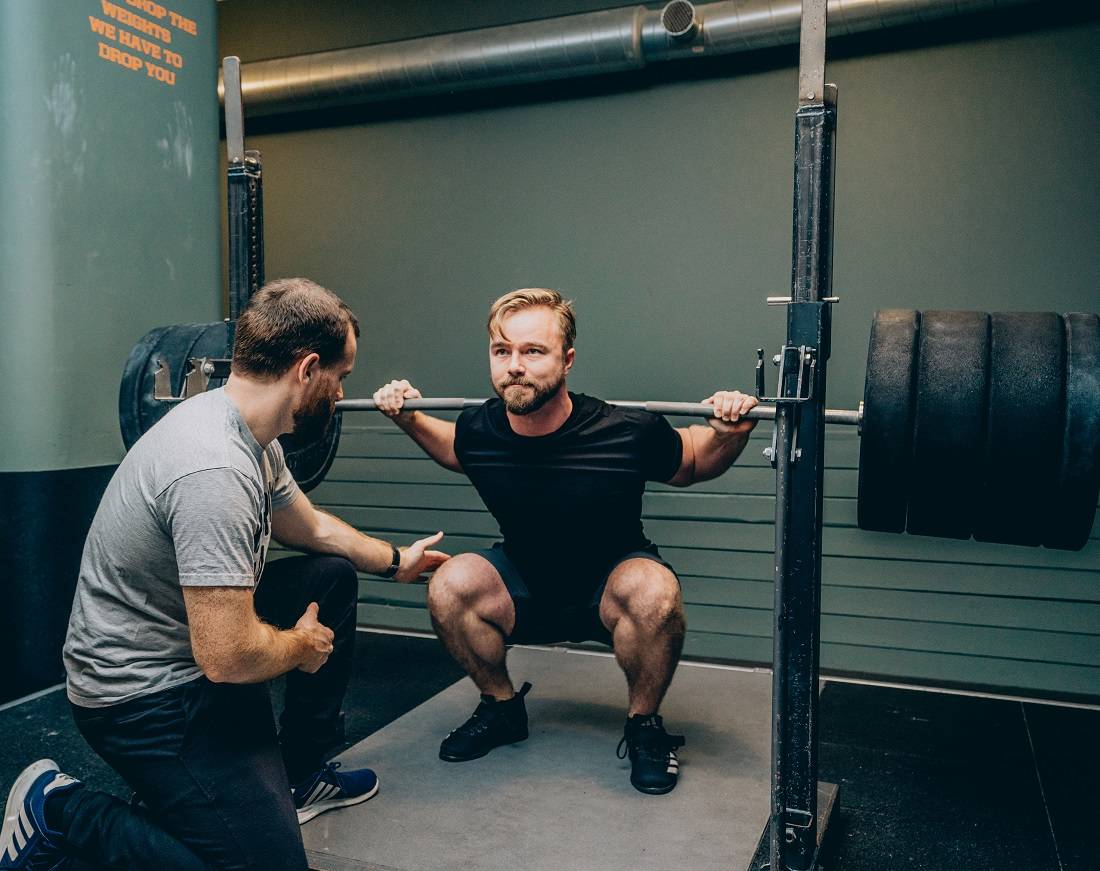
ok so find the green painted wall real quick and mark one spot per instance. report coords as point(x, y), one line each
point(966, 179)
point(109, 225)
point(109, 221)
point(895, 606)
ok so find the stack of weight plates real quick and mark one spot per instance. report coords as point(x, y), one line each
point(982, 425)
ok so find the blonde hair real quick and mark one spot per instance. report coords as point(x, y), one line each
point(534, 297)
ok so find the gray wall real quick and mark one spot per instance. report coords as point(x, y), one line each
point(966, 179)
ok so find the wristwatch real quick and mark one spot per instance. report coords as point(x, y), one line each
point(395, 563)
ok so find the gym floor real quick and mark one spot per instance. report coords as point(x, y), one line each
point(928, 781)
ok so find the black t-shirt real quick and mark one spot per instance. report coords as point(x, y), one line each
point(569, 503)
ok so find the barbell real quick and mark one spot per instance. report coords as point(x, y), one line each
point(671, 409)
point(972, 424)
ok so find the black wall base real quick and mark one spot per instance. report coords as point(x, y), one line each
point(44, 518)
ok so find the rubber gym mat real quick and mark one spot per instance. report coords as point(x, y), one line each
point(561, 799)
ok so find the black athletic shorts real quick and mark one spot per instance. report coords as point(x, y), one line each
point(542, 622)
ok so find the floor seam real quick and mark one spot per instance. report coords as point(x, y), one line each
point(1042, 791)
point(828, 678)
point(31, 697)
point(321, 857)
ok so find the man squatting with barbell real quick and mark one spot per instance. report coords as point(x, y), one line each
point(563, 474)
point(173, 635)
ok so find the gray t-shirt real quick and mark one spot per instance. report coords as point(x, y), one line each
point(190, 505)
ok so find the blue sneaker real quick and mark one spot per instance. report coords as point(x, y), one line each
point(327, 789)
point(25, 841)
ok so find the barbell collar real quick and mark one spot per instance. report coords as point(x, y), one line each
point(843, 417)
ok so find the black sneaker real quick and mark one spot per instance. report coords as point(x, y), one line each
point(493, 723)
point(653, 763)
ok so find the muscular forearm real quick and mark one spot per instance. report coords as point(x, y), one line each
point(715, 452)
point(367, 554)
point(435, 436)
point(259, 654)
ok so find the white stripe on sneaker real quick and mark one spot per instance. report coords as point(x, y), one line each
point(58, 781)
point(317, 788)
point(24, 830)
point(25, 824)
point(321, 792)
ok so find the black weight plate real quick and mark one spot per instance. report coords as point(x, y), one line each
point(310, 463)
point(1024, 426)
point(1072, 508)
point(949, 424)
point(138, 410)
point(129, 391)
point(886, 438)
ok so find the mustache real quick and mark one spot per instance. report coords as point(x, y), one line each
point(516, 382)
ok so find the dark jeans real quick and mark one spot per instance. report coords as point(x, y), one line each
point(204, 758)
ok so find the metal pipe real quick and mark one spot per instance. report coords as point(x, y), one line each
point(593, 43)
point(680, 409)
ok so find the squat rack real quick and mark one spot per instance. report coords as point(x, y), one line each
point(800, 806)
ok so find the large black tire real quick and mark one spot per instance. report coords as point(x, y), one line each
point(1071, 510)
point(1024, 426)
point(949, 423)
point(886, 440)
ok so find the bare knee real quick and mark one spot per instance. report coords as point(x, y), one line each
point(464, 583)
point(647, 594)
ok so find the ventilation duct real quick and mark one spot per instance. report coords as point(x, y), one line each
point(610, 41)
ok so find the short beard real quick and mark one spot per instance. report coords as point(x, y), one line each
point(541, 396)
point(311, 421)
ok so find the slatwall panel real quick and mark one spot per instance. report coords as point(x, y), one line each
point(894, 606)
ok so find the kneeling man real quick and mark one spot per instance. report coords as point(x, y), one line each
point(563, 474)
point(174, 636)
